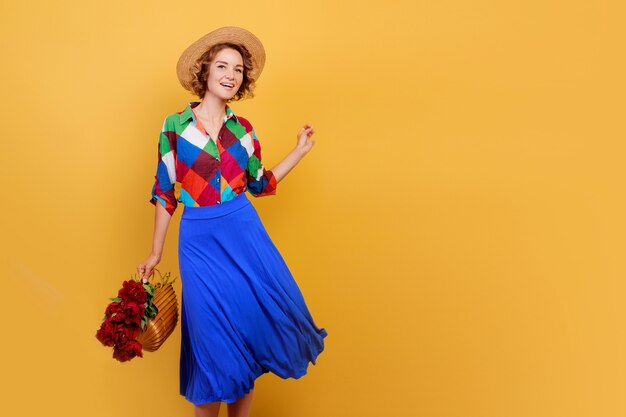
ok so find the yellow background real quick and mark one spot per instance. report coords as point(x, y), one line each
point(458, 228)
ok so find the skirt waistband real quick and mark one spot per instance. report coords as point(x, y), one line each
point(217, 210)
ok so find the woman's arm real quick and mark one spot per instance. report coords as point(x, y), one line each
point(303, 146)
point(161, 223)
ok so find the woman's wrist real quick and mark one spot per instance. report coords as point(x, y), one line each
point(300, 152)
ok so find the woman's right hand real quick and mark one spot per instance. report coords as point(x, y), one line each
point(145, 268)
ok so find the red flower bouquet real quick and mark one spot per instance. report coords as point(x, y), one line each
point(126, 317)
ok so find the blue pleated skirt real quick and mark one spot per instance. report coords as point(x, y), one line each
point(243, 314)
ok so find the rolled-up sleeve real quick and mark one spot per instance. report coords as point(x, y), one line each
point(165, 178)
point(260, 181)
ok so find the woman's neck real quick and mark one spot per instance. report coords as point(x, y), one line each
point(212, 109)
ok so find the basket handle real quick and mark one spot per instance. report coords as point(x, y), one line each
point(147, 279)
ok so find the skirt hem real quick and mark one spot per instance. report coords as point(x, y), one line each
point(231, 399)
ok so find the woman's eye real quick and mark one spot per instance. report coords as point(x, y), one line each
point(240, 70)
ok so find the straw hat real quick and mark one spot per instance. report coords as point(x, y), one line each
point(231, 34)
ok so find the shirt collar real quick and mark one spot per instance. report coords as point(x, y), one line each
point(187, 114)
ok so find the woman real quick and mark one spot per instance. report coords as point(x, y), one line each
point(242, 312)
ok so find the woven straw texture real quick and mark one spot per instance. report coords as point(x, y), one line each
point(163, 324)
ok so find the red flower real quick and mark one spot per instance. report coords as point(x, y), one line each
point(133, 331)
point(106, 333)
point(125, 333)
point(118, 317)
point(121, 336)
point(127, 351)
point(133, 312)
point(133, 291)
point(114, 307)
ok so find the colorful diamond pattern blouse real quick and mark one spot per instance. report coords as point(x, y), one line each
point(209, 171)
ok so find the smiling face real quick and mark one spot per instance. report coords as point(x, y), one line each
point(225, 74)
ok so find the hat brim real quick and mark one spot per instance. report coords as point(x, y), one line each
point(230, 34)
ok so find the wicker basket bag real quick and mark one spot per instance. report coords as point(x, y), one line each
point(163, 324)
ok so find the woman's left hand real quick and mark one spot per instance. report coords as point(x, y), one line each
point(305, 143)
